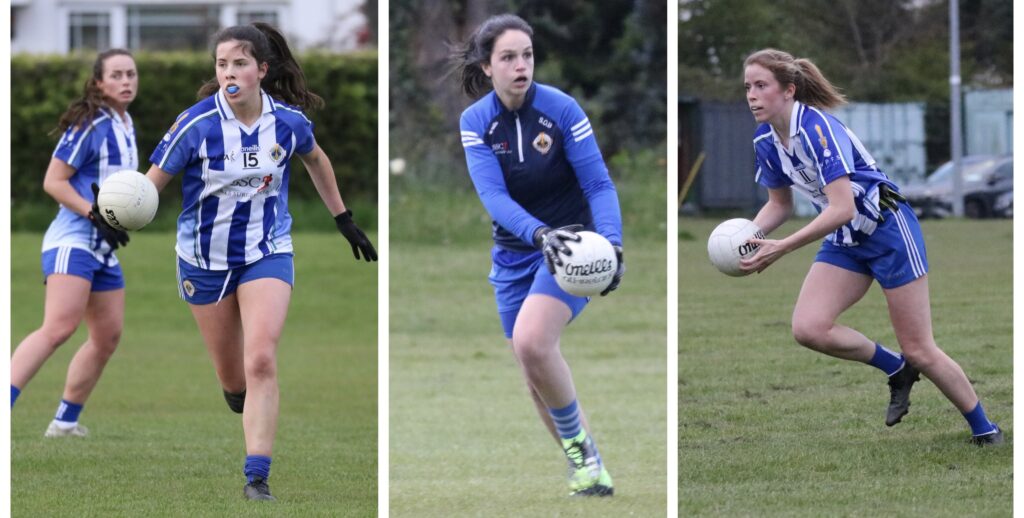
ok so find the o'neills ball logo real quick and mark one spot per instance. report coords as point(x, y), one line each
point(592, 268)
point(749, 248)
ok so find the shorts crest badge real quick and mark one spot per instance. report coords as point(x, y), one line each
point(189, 288)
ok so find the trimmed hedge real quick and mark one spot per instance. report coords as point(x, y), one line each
point(43, 86)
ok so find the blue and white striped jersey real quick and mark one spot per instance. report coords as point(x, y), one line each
point(538, 165)
point(96, 150)
point(235, 186)
point(821, 149)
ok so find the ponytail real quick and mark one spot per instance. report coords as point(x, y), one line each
point(467, 58)
point(286, 80)
point(812, 88)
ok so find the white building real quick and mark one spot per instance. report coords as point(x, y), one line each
point(61, 26)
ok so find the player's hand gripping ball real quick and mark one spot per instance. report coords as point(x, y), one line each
point(589, 268)
point(728, 245)
point(127, 200)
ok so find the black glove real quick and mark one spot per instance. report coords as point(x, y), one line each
point(888, 199)
point(355, 237)
point(619, 272)
point(552, 243)
point(114, 237)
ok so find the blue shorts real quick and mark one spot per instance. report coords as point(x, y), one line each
point(82, 263)
point(893, 254)
point(516, 275)
point(199, 286)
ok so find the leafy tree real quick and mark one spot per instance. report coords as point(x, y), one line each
point(875, 50)
point(610, 55)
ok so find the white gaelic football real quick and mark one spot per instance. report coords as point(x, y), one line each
point(728, 244)
point(128, 200)
point(590, 268)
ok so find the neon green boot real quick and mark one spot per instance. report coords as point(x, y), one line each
point(587, 475)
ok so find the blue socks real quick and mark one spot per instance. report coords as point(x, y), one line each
point(980, 425)
point(567, 420)
point(68, 412)
point(15, 392)
point(257, 466)
point(888, 361)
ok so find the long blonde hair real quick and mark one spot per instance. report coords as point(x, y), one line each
point(812, 88)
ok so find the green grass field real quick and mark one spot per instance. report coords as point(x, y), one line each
point(768, 428)
point(163, 442)
point(464, 437)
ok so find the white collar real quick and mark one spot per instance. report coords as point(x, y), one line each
point(125, 121)
point(794, 124)
point(227, 113)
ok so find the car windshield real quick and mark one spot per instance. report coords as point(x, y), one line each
point(972, 171)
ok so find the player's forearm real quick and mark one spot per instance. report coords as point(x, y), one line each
point(603, 199)
point(321, 172)
point(772, 215)
point(60, 189)
point(824, 224)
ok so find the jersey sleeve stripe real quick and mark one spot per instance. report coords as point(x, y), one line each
point(85, 132)
point(581, 130)
point(585, 135)
point(78, 146)
point(469, 133)
point(472, 142)
point(283, 107)
point(177, 138)
point(576, 127)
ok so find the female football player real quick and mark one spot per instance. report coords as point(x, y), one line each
point(870, 233)
point(82, 275)
point(534, 161)
point(234, 245)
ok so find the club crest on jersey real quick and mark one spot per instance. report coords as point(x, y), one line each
point(823, 141)
point(276, 153)
point(189, 288)
point(542, 143)
point(174, 127)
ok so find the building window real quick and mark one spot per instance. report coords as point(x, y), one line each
point(171, 27)
point(249, 16)
point(89, 31)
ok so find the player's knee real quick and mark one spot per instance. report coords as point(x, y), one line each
point(530, 347)
point(57, 333)
point(106, 342)
point(262, 365)
point(920, 355)
point(809, 333)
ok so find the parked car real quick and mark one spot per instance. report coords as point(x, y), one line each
point(986, 180)
point(995, 198)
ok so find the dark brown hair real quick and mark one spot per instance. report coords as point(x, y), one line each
point(284, 79)
point(812, 88)
point(466, 58)
point(82, 110)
